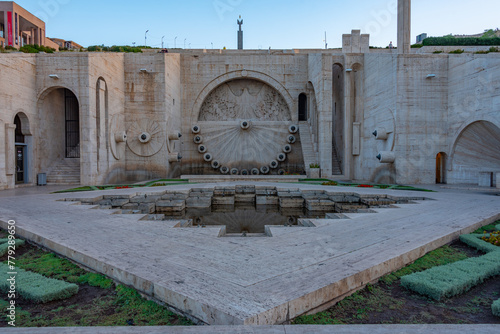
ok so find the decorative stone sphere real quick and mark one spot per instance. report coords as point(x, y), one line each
point(274, 164)
point(281, 157)
point(292, 139)
point(244, 172)
point(224, 170)
point(281, 172)
point(245, 125)
point(144, 137)
point(255, 171)
point(208, 157)
point(198, 139)
point(215, 164)
point(293, 129)
point(235, 171)
point(287, 149)
point(196, 129)
point(202, 149)
point(264, 169)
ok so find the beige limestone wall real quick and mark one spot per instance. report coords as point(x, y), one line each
point(321, 77)
point(474, 96)
point(17, 95)
point(380, 113)
point(107, 107)
point(72, 70)
point(148, 108)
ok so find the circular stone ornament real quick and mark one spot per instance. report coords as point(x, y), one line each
point(196, 129)
point(293, 129)
point(215, 164)
point(146, 137)
point(245, 125)
point(198, 139)
point(224, 170)
point(255, 171)
point(291, 139)
point(208, 157)
point(274, 164)
point(264, 170)
point(202, 149)
point(287, 149)
point(235, 171)
point(244, 172)
point(281, 172)
point(281, 157)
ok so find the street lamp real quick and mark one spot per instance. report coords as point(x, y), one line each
point(185, 42)
point(162, 41)
point(175, 42)
point(146, 38)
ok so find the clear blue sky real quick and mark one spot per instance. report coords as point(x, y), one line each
point(280, 24)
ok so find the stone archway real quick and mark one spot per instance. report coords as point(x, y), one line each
point(245, 127)
point(59, 136)
point(23, 149)
point(475, 152)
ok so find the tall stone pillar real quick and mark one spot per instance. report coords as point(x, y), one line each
point(404, 26)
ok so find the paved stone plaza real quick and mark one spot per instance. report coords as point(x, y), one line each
point(234, 280)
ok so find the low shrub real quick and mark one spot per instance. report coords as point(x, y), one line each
point(453, 279)
point(314, 166)
point(458, 52)
point(35, 287)
point(493, 49)
point(4, 245)
point(36, 49)
point(474, 240)
point(495, 308)
point(452, 41)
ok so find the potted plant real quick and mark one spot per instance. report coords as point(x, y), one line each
point(314, 171)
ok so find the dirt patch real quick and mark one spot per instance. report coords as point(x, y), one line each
point(390, 303)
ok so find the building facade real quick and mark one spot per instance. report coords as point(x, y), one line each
point(385, 116)
point(19, 27)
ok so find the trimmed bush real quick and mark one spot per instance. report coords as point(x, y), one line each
point(35, 287)
point(474, 240)
point(495, 308)
point(452, 41)
point(4, 245)
point(453, 279)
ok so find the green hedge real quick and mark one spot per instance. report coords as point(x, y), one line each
point(36, 287)
point(474, 240)
point(495, 308)
point(452, 41)
point(4, 245)
point(453, 279)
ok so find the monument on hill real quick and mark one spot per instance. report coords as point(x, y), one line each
point(240, 34)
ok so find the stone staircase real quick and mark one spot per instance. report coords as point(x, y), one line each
point(308, 148)
point(336, 170)
point(65, 172)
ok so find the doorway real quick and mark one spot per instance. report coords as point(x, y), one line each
point(21, 153)
point(302, 107)
point(441, 168)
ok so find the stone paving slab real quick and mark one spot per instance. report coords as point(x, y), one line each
point(254, 281)
point(339, 329)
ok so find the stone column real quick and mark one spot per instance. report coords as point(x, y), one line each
point(404, 26)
